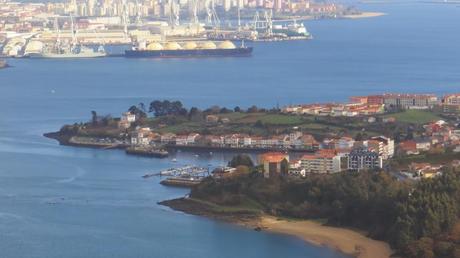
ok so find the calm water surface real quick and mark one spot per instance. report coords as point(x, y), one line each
point(61, 202)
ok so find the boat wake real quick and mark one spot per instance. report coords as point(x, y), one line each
point(80, 173)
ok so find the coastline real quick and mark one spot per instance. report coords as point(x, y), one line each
point(347, 241)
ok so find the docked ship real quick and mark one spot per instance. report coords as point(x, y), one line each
point(188, 49)
point(293, 30)
point(62, 49)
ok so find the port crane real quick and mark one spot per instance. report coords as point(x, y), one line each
point(212, 18)
point(263, 24)
point(174, 18)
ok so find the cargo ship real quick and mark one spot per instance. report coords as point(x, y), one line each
point(188, 49)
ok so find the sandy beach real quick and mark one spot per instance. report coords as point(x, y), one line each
point(364, 15)
point(344, 240)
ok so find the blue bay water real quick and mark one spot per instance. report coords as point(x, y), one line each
point(58, 201)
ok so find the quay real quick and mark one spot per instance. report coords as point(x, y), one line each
point(147, 152)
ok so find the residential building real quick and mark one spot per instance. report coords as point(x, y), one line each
point(274, 163)
point(409, 147)
point(126, 120)
point(364, 159)
point(410, 101)
point(425, 170)
point(321, 162)
point(384, 146)
point(142, 136)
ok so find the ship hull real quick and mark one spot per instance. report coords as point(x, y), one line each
point(181, 53)
point(67, 56)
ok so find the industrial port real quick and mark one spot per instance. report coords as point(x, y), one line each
point(85, 28)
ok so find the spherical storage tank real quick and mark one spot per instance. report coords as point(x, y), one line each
point(190, 45)
point(172, 46)
point(34, 47)
point(227, 45)
point(208, 45)
point(155, 46)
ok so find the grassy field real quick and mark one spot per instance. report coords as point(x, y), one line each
point(415, 116)
point(266, 118)
point(439, 158)
point(277, 123)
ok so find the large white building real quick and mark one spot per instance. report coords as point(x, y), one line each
point(410, 101)
point(321, 162)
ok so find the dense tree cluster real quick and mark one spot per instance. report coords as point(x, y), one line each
point(241, 160)
point(418, 219)
point(166, 107)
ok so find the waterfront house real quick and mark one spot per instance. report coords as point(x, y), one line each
point(232, 140)
point(247, 141)
point(167, 138)
point(180, 140)
point(142, 136)
point(192, 138)
point(216, 140)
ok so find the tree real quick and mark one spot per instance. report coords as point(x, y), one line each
point(241, 160)
point(259, 124)
point(224, 110)
point(166, 107)
point(284, 167)
point(237, 109)
point(253, 109)
point(94, 117)
point(420, 248)
point(141, 106)
point(195, 114)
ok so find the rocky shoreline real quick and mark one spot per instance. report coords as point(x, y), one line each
point(199, 208)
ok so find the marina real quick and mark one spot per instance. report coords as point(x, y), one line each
point(185, 176)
